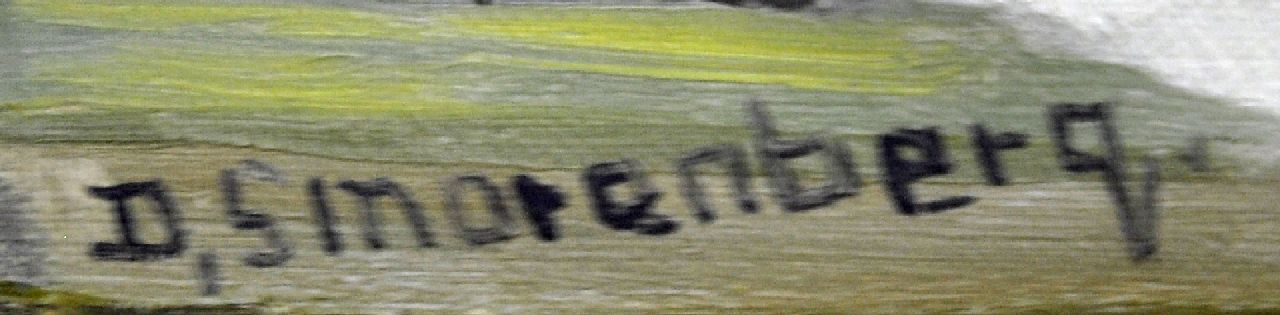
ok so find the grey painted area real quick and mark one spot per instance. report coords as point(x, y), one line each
point(12, 63)
point(22, 250)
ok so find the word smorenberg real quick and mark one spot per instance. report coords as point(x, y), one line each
point(635, 213)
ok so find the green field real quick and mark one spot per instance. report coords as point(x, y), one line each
point(111, 91)
point(483, 85)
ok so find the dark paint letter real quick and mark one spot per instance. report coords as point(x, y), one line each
point(324, 216)
point(369, 191)
point(630, 215)
point(733, 158)
point(244, 219)
point(842, 177)
point(900, 172)
point(130, 248)
point(503, 225)
point(207, 271)
point(540, 202)
point(1136, 223)
point(987, 147)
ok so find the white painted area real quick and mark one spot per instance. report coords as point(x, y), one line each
point(1229, 48)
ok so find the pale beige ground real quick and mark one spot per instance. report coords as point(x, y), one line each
point(1030, 246)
